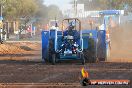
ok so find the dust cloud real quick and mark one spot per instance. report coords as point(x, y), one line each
point(121, 43)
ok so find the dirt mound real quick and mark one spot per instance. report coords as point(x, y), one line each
point(20, 50)
point(26, 48)
point(121, 43)
point(10, 49)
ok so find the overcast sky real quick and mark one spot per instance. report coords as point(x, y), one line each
point(59, 3)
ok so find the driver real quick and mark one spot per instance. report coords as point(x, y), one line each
point(68, 39)
point(70, 36)
point(70, 30)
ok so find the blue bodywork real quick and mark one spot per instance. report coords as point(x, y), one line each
point(45, 44)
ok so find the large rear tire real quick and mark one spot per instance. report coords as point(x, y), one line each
point(107, 56)
point(89, 53)
point(86, 55)
point(53, 59)
point(82, 58)
point(50, 51)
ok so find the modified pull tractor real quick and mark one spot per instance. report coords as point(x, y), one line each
point(66, 44)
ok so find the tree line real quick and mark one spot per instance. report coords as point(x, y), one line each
point(107, 4)
point(27, 9)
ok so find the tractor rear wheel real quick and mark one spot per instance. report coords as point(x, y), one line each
point(50, 51)
point(82, 58)
point(107, 56)
point(86, 55)
point(53, 59)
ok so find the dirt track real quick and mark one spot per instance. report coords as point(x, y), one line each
point(24, 66)
point(36, 72)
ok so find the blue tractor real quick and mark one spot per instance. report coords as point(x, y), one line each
point(73, 43)
point(66, 44)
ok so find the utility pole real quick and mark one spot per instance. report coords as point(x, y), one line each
point(110, 4)
point(0, 10)
point(1, 7)
point(1, 19)
point(1, 23)
point(75, 8)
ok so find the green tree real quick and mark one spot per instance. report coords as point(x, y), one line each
point(27, 9)
point(19, 8)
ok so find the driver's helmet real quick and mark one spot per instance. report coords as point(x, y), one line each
point(72, 24)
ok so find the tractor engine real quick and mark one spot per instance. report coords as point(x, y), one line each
point(69, 46)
